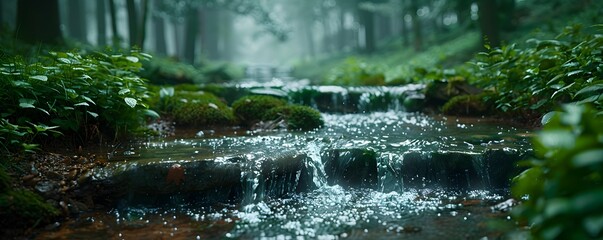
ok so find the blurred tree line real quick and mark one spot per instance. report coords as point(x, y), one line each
point(187, 29)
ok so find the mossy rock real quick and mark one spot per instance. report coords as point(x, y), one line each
point(197, 109)
point(251, 109)
point(297, 117)
point(439, 92)
point(467, 105)
point(24, 206)
point(377, 79)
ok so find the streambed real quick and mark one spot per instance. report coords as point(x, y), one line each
point(365, 175)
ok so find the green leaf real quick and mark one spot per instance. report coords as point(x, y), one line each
point(166, 92)
point(562, 89)
point(593, 225)
point(64, 60)
point(132, 59)
point(88, 99)
point(124, 91)
point(151, 113)
point(547, 117)
point(557, 139)
point(588, 158)
point(26, 103)
point(131, 102)
point(590, 89)
point(39, 77)
point(81, 104)
point(93, 114)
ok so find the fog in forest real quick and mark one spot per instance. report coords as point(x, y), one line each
point(274, 32)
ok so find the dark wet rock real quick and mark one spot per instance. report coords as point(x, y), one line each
point(199, 182)
point(286, 175)
point(505, 206)
point(492, 169)
point(414, 102)
point(202, 181)
point(351, 167)
point(48, 189)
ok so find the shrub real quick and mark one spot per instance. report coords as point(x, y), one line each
point(251, 109)
point(78, 94)
point(297, 117)
point(564, 185)
point(548, 73)
point(356, 73)
point(194, 108)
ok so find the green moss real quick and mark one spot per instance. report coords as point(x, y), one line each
point(187, 87)
point(4, 181)
point(251, 109)
point(466, 105)
point(199, 109)
point(24, 205)
point(297, 117)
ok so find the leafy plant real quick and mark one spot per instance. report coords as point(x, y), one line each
point(354, 72)
point(564, 186)
point(538, 78)
point(70, 92)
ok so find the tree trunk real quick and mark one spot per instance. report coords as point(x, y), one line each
point(226, 36)
point(341, 33)
point(210, 33)
point(160, 41)
point(488, 21)
point(116, 39)
point(101, 23)
point(416, 26)
point(132, 22)
point(404, 29)
point(367, 20)
point(192, 30)
point(143, 24)
point(76, 20)
point(38, 21)
point(463, 11)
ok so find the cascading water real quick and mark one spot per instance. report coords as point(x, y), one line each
point(375, 173)
point(390, 179)
point(315, 166)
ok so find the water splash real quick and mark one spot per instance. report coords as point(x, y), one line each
point(315, 165)
point(389, 169)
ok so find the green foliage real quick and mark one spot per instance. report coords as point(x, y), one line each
point(25, 207)
point(71, 92)
point(354, 73)
point(565, 183)
point(193, 108)
point(297, 117)
point(564, 69)
point(251, 109)
point(467, 105)
point(169, 71)
point(4, 181)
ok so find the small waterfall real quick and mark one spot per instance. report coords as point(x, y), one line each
point(479, 164)
point(389, 169)
point(250, 178)
point(315, 166)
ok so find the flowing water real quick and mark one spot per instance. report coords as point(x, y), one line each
point(377, 175)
